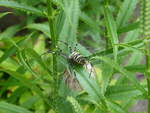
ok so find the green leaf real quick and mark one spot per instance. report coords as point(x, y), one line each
point(135, 59)
point(12, 50)
point(30, 52)
point(9, 32)
point(106, 75)
point(132, 35)
point(112, 30)
point(124, 72)
point(60, 23)
point(135, 44)
point(122, 92)
point(4, 14)
point(125, 13)
point(21, 7)
point(72, 13)
point(115, 107)
point(138, 112)
point(23, 61)
point(86, 19)
point(13, 108)
point(129, 27)
point(16, 94)
point(82, 50)
point(10, 82)
point(40, 27)
point(88, 83)
point(17, 76)
point(136, 68)
point(31, 85)
point(30, 102)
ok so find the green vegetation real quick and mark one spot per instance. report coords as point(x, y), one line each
point(108, 33)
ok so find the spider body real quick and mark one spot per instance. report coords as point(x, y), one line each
point(77, 58)
point(74, 58)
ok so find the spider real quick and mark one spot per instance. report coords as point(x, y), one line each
point(74, 58)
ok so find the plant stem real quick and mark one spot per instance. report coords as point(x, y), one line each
point(145, 24)
point(53, 38)
point(148, 84)
point(147, 73)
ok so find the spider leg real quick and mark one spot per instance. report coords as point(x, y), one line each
point(63, 42)
point(59, 51)
point(49, 51)
point(66, 44)
point(75, 48)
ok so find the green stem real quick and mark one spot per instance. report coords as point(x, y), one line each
point(148, 77)
point(145, 24)
point(147, 74)
point(53, 38)
point(50, 16)
point(148, 84)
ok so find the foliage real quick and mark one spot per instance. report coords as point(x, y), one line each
point(106, 32)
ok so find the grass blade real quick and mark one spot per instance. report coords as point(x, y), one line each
point(40, 27)
point(125, 13)
point(111, 27)
point(4, 14)
point(124, 72)
point(122, 92)
point(128, 27)
point(89, 84)
point(106, 75)
point(30, 52)
point(13, 108)
point(12, 50)
point(115, 107)
point(25, 82)
point(72, 12)
point(21, 7)
point(9, 32)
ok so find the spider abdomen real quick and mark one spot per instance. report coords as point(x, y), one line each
point(77, 58)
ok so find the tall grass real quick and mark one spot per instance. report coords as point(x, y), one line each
point(107, 33)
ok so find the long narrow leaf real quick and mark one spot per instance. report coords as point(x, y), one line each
point(4, 14)
point(122, 92)
point(124, 72)
point(25, 82)
point(106, 76)
point(89, 84)
point(12, 50)
point(40, 27)
point(136, 43)
point(72, 12)
point(115, 107)
point(126, 11)
point(37, 58)
point(21, 7)
point(112, 30)
point(13, 108)
point(9, 32)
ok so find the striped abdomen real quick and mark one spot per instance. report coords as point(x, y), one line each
point(77, 58)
